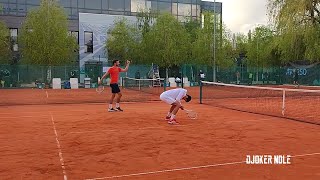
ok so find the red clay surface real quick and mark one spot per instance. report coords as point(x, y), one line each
point(95, 144)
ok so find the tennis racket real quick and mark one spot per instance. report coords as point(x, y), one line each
point(100, 87)
point(191, 114)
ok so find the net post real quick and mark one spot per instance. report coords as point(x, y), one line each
point(283, 102)
point(139, 85)
point(200, 92)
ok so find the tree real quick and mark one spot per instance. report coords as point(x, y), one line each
point(261, 49)
point(146, 18)
point(203, 45)
point(44, 37)
point(4, 44)
point(123, 40)
point(298, 25)
point(167, 43)
point(192, 26)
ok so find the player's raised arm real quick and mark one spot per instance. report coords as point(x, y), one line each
point(104, 76)
point(127, 67)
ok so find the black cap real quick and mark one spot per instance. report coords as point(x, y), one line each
point(188, 98)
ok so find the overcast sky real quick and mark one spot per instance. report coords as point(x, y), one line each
point(243, 15)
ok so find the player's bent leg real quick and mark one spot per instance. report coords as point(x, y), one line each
point(173, 115)
point(111, 102)
point(118, 102)
point(170, 112)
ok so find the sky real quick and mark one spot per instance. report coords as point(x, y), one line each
point(243, 15)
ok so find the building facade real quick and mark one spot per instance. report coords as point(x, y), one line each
point(13, 12)
point(89, 19)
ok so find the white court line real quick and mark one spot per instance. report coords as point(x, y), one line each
point(167, 170)
point(311, 154)
point(59, 149)
point(184, 169)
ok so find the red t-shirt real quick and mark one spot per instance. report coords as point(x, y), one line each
point(114, 74)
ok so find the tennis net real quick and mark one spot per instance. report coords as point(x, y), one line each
point(147, 86)
point(295, 104)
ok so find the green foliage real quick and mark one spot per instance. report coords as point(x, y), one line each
point(203, 45)
point(261, 50)
point(298, 24)
point(123, 40)
point(44, 37)
point(167, 43)
point(4, 44)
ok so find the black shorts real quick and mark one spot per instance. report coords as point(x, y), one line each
point(115, 88)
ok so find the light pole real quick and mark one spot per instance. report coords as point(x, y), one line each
point(214, 42)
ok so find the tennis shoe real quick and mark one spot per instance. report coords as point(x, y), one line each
point(173, 122)
point(119, 109)
point(111, 110)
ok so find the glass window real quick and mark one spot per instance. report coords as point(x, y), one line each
point(153, 5)
point(14, 38)
point(184, 9)
point(198, 10)
point(138, 5)
point(194, 10)
point(105, 4)
point(116, 5)
point(116, 12)
point(30, 7)
point(164, 7)
point(22, 13)
point(88, 41)
point(184, 1)
point(90, 11)
point(75, 34)
point(80, 3)
point(127, 5)
point(22, 8)
point(195, 1)
point(74, 12)
point(21, 1)
point(13, 32)
point(93, 4)
point(149, 5)
point(175, 8)
point(12, 8)
point(74, 3)
point(65, 3)
point(34, 2)
point(67, 11)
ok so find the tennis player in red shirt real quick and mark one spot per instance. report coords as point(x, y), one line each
point(114, 75)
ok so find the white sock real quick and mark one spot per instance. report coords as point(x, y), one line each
point(117, 105)
point(172, 116)
point(110, 106)
point(169, 114)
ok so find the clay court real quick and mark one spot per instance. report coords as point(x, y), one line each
point(68, 134)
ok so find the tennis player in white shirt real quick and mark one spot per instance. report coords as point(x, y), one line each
point(174, 97)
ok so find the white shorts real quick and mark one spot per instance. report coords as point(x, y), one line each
point(167, 99)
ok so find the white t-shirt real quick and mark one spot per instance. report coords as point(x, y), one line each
point(176, 94)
